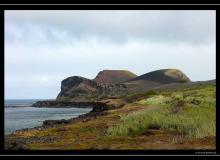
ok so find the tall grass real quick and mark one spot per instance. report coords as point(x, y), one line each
point(196, 119)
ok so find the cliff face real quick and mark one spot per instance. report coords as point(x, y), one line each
point(78, 86)
point(115, 83)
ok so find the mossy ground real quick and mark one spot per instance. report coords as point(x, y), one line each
point(104, 131)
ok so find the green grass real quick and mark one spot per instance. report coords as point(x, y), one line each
point(196, 117)
point(158, 99)
point(135, 97)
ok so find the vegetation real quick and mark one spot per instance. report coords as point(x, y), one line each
point(134, 97)
point(190, 112)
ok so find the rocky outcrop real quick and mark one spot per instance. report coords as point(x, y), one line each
point(97, 106)
point(67, 104)
point(55, 122)
point(78, 86)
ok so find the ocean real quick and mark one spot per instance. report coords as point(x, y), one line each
point(20, 102)
point(18, 114)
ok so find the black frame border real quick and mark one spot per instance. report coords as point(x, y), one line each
point(105, 152)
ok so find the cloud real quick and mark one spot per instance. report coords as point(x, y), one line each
point(44, 47)
point(164, 26)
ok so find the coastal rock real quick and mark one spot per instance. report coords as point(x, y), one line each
point(54, 122)
point(68, 104)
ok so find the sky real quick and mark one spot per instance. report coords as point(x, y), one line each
point(44, 47)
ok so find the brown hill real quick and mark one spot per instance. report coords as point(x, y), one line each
point(155, 79)
point(163, 76)
point(114, 76)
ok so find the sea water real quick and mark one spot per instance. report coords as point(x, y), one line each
point(19, 116)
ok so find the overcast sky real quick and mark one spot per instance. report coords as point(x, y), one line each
point(44, 47)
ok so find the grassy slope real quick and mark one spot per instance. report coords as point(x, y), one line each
point(190, 109)
point(190, 112)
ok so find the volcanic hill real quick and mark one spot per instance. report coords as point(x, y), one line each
point(156, 78)
point(114, 76)
point(113, 83)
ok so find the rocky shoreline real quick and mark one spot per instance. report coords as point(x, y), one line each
point(20, 143)
point(53, 123)
point(54, 103)
point(99, 109)
point(96, 105)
